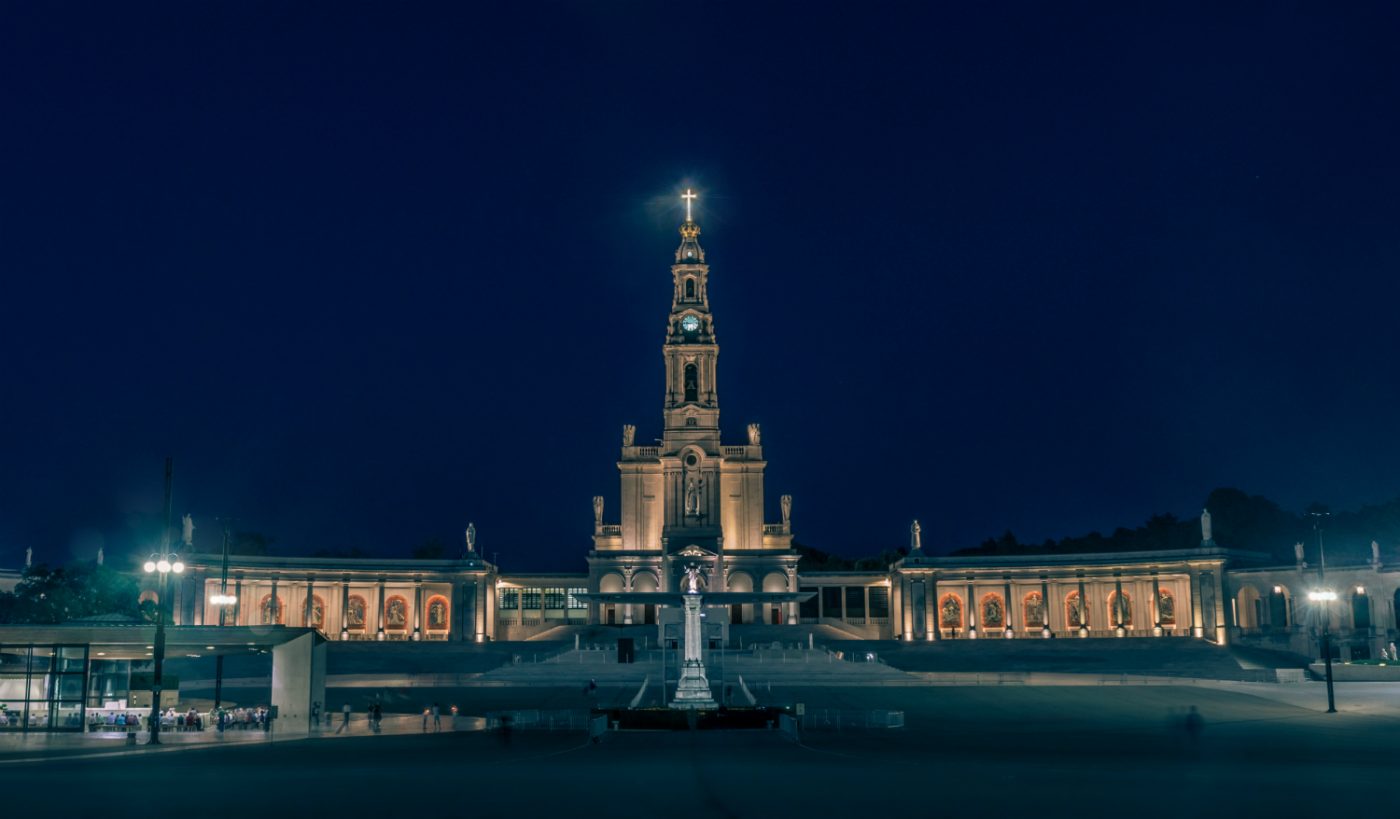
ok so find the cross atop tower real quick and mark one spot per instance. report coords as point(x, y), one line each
point(688, 197)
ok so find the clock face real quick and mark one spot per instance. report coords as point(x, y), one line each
point(690, 324)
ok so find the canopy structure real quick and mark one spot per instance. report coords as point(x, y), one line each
point(706, 599)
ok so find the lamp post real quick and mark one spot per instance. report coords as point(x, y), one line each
point(1325, 596)
point(223, 600)
point(163, 562)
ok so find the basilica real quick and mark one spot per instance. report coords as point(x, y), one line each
point(691, 499)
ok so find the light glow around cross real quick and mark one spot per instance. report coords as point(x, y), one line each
point(689, 197)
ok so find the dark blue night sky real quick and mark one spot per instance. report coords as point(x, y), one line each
point(371, 271)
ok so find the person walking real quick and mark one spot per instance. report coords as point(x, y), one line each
point(345, 718)
point(425, 719)
point(437, 717)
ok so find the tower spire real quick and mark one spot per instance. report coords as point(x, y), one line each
point(692, 406)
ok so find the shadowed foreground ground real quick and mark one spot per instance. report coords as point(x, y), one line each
point(1051, 751)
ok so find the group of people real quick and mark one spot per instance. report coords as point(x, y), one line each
point(243, 719)
point(375, 716)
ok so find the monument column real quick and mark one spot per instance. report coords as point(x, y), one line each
point(627, 587)
point(238, 603)
point(1156, 606)
point(199, 582)
point(1045, 603)
point(792, 587)
point(1221, 631)
point(311, 604)
point(418, 611)
point(931, 608)
point(1196, 629)
point(345, 608)
point(1083, 608)
point(1118, 600)
point(1010, 607)
point(971, 610)
point(379, 612)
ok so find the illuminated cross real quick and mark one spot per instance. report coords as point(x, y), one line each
point(688, 197)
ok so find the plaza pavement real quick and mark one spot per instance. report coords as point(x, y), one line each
point(1077, 751)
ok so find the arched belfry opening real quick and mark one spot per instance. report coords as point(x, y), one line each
point(692, 383)
point(690, 288)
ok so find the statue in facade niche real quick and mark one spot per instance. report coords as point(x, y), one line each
point(951, 614)
point(692, 579)
point(597, 513)
point(785, 502)
point(187, 536)
point(694, 485)
point(629, 434)
point(991, 612)
point(755, 434)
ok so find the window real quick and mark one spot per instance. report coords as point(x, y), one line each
point(831, 601)
point(510, 599)
point(807, 609)
point(530, 599)
point(554, 598)
point(574, 601)
point(692, 383)
point(855, 602)
point(879, 602)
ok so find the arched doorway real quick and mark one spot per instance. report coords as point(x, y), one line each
point(645, 582)
point(610, 583)
point(1278, 608)
point(1249, 610)
point(775, 582)
point(740, 612)
point(1360, 610)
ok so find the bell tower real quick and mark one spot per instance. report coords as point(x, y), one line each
point(691, 349)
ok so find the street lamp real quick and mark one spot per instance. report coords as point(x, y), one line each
point(1325, 597)
point(223, 600)
point(164, 564)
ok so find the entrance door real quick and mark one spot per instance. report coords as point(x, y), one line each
point(612, 616)
point(736, 614)
point(777, 616)
point(649, 614)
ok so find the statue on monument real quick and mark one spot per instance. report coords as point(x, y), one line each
point(1298, 552)
point(755, 434)
point(916, 540)
point(187, 536)
point(597, 513)
point(629, 434)
point(1205, 527)
point(28, 557)
point(692, 579)
point(786, 503)
point(1375, 553)
point(99, 555)
point(471, 538)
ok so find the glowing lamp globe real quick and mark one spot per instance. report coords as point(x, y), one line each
point(163, 566)
point(150, 566)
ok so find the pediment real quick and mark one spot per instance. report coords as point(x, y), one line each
point(695, 551)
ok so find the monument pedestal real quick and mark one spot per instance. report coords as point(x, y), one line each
point(693, 690)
